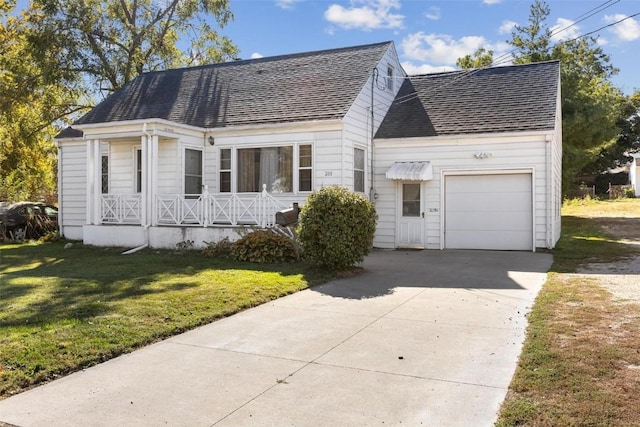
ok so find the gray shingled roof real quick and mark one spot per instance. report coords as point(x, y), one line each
point(69, 132)
point(499, 99)
point(307, 86)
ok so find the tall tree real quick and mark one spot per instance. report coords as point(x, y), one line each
point(33, 98)
point(56, 57)
point(532, 43)
point(617, 153)
point(591, 105)
point(112, 41)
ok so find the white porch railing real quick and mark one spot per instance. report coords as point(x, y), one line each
point(121, 209)
point(198, 209)
point(218, 209)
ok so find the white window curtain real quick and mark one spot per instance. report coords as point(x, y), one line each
point(271, 166)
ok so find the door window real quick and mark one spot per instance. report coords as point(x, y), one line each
point(411, 200)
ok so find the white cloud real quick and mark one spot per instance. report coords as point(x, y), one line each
point(439, 48)
point(490, 2)
point(627, 30)
point(507, 27)
point(256, 55)
point(429, 53)
point(564, 30)
point(414, 69)
point(286, 4)
point(366, 15)
point(433, 13)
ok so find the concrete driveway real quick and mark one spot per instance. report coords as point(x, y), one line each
point(420, 338)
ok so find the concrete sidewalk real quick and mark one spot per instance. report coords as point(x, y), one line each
point(420, 338)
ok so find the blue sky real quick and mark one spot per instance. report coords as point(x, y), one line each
point(429, 35)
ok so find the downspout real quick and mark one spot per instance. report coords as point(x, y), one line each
point(372, 191)
point(549, 191)
point(145, 227)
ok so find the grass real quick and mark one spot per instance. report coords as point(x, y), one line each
point(62, 310)
point(580, 364)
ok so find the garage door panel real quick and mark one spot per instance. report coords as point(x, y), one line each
point(487, 221)
point(490, 240)
point(474, 202)
point(487, 183)
point(488, 212)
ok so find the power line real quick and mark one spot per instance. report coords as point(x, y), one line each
point(502, 59)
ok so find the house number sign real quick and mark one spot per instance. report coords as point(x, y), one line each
point(482, 155)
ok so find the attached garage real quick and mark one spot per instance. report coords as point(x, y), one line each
point(492, 141)
point(488, 211)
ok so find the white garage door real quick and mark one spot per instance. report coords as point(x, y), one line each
point(488, 212)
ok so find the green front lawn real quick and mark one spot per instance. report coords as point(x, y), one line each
point(65, 309)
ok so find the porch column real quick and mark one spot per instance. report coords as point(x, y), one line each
point(94, 189)
point(144, 142)
point(149, 176)
point(153, 174)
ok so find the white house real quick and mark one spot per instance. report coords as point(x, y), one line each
point(192, 154)
point(634, 173)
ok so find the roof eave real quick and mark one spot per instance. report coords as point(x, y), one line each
point(483, 135)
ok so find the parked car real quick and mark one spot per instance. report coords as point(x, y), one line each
point(27, 220)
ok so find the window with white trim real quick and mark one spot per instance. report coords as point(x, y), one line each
point(225, 170)
point(358, 170)
point(305, 167)
point(192, 171)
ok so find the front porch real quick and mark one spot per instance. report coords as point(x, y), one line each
point(204, 210)
point(186, 220)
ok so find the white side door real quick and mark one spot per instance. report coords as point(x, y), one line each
point(410, 220)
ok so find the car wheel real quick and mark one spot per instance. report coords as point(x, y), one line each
point(18, 234)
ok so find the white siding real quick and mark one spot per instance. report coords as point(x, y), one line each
point(122, 167)
point(357, 121)
point(72, 195)
point(168, 157)
point(508, 152)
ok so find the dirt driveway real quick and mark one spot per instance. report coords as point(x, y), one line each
point(621, 278)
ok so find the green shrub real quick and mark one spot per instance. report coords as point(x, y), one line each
point(218, 249)
point(263, 246)
point(630, 193)
point(336, 227)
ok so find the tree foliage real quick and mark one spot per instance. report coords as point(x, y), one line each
point(34, 98)
point(532, 43)
point(114, 41)
point(481, 58)
point(57, 56)
point(617, 153)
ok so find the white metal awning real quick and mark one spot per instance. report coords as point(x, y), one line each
point(410, 171)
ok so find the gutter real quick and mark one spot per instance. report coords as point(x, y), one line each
point(549, 191)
